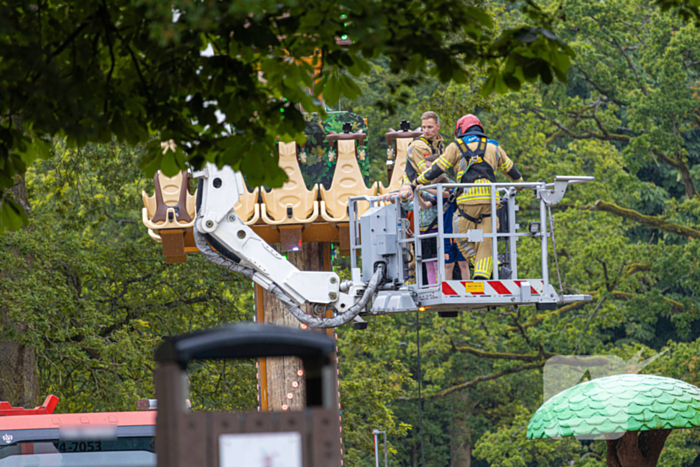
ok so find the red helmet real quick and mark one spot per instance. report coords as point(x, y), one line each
point(466, 122)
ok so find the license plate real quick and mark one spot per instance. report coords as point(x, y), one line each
point(474, 287)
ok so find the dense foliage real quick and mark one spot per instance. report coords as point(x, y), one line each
point(93, 295)
point(221, 81)
point(628, 115)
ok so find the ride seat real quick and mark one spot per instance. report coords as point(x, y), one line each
point(347, 180)
point(247, 206)
point(292, 203)
point(171, 206)
point(402, 139)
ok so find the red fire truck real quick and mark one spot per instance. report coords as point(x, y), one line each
point(38, 437)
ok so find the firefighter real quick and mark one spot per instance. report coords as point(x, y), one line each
point(430, 143)
point(475, 158)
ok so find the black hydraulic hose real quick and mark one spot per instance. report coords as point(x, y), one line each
point(338, 320)
point(201, 241)
point(294, 309)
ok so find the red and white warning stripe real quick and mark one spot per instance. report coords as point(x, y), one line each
point(490, 288)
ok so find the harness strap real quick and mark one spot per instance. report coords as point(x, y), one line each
point(473, 157)
point(433, 150)
point(432, 224)
point(470, 218)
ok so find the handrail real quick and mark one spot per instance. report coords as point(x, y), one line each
point(545, 195)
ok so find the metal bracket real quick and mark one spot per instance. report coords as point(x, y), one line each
point(552, 197)
point(399, 301)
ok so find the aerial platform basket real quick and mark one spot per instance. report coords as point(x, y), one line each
point(382, 235)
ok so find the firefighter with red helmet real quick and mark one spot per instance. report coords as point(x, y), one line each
point(475, 158)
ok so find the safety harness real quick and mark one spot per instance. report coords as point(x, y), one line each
point(470, 218)
point(472, 163)
point(410, 171)
point(435, 151)
point(472, 167)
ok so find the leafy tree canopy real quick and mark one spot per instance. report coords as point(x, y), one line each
point(135, 69)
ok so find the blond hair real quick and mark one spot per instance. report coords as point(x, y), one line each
point(430, 114)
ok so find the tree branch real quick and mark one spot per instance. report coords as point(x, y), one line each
point(539, 319)
point(677, 306)
point(624, 54)
point(635, 33)
point(608, 285)
point(135, 61)
point(651, 221)
point(481, 379)
point(631, 65)
point(565, 130)
point(588, 321)
point(125, 288)
point(70, 38)
point(107, 21)
point(516, 320)
point(501, 356)
point(635, 268)
point(682, 167)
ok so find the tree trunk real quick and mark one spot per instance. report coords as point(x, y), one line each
point(19, 377)
point(636, 449)
point(460, 433)
point(283, 378)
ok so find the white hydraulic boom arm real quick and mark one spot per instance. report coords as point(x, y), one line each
point(384, 281)
point(238, 248)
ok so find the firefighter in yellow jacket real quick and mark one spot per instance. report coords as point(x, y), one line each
point(430, 143)
point(475, 158)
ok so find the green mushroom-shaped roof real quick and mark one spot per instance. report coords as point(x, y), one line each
point(616, 404)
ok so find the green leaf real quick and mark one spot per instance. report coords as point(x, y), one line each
point(331, 91)
point(170, 165)
point(117, 126)
point(151, 160)
point(512, 82)
point(350, 89)
point(546, 73)
point(36, 148)
point(480, 15)
point(560, 76)
point(500, 85)
point(489, 85)
point(526, 35)
point(12, 215)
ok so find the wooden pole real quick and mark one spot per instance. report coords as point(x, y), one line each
point(281, 381)
point(262, 362)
